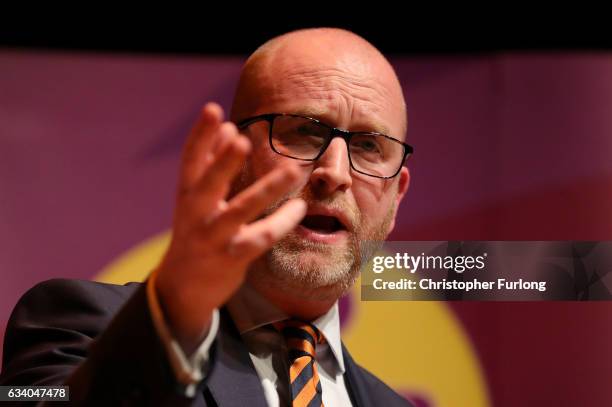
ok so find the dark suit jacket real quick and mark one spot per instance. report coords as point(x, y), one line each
point(100, 340)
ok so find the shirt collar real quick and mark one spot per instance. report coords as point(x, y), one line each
point(250, 310)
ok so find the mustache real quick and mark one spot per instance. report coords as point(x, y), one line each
point(335, 202)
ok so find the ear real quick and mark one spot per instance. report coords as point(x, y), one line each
point(402, 188)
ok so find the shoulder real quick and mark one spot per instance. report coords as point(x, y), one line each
point(368, 386)
point(382, 393)
point(61, 308)
point(61, 293)
point(75, 285)
point(51, 327)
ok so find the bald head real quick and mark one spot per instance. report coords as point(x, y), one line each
point(328, 73)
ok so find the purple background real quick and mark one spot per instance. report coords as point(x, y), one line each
point(511, 146)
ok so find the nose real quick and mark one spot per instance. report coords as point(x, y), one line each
point(332, 170)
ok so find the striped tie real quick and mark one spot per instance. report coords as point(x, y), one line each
point(302, 338)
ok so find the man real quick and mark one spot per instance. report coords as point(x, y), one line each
point(274, 217)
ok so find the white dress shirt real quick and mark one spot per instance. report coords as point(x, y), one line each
point(252, 315)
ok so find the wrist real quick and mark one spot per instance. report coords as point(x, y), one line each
point(188, 319)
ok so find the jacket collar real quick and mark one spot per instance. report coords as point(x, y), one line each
point(234, 381)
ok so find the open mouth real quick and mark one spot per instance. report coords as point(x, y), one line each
point(322, 224)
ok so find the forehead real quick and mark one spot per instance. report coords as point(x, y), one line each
point(351, 93)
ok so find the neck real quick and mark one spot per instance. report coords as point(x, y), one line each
point(292, 303)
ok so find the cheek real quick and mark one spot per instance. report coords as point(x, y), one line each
point(262, 159)
point(373, 198)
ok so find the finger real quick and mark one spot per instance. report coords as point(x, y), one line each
point(227, 133)
point(256, 238)
point(251, 202)
point(215, 182)
point(197, 151)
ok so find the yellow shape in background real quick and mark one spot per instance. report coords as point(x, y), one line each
point(137, 262)
point(416, 347)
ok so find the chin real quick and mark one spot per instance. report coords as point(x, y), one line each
point(323, 261)
point(322, 273)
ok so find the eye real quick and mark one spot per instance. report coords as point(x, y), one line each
point(366, 144)
point(306, 130)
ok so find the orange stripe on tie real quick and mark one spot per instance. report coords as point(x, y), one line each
point(302, 338)
point(297, 367)
point(306, 395)
point(301, 344)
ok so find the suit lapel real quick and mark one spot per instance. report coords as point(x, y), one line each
point(355, 383)
point(233, 380)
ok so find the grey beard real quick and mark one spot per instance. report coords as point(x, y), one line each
point(327, 278)
point(330, 274)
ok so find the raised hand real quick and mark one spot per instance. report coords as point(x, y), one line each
point(213, 239)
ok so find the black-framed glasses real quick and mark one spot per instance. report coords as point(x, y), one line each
point(305, 138)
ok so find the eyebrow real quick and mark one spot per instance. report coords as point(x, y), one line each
point(323, 116)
